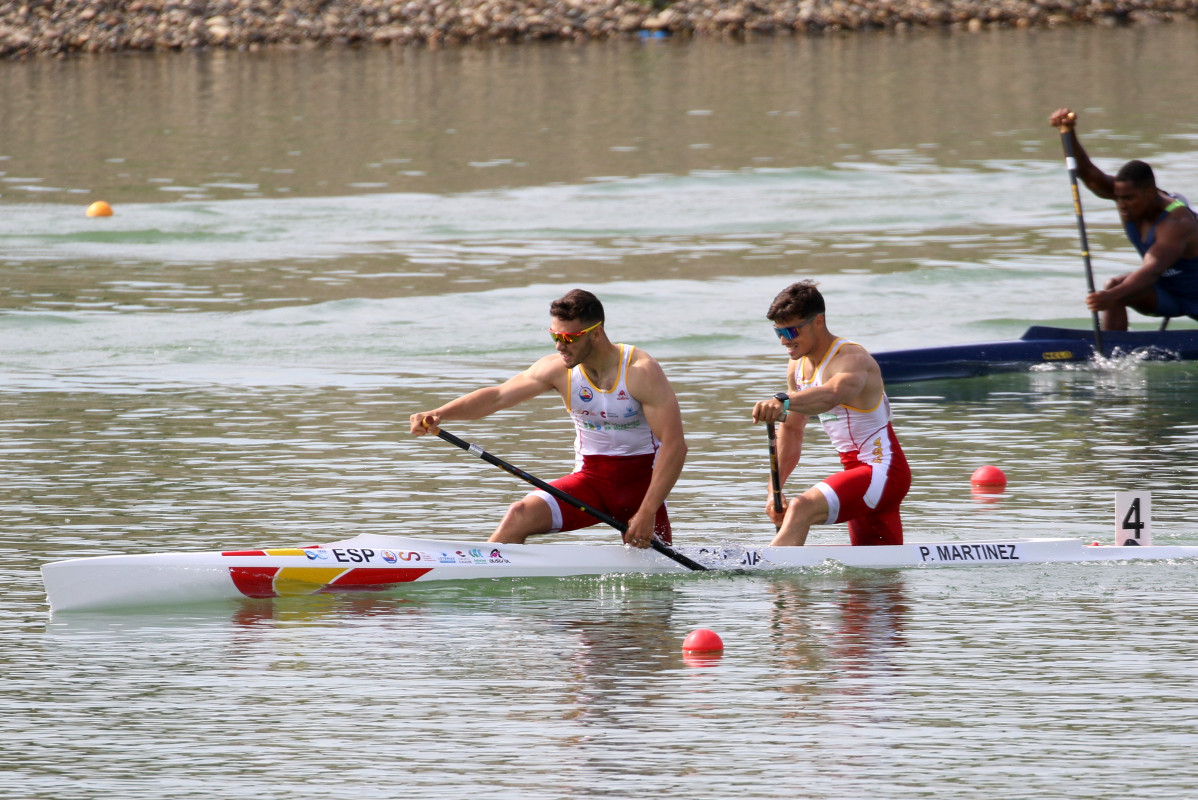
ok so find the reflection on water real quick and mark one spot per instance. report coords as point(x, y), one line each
point(224, 125)
point(848, 627)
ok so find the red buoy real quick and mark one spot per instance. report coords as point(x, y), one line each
point(988, 476)
point(701, 640)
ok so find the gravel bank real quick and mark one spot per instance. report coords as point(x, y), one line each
point(61, 27)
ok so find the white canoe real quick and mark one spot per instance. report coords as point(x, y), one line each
point(380, 563)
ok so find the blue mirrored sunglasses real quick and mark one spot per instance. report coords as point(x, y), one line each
point(792, 331)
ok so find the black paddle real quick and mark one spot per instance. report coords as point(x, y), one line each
point(655, 543)
point(775, 479)
point(1071, 164)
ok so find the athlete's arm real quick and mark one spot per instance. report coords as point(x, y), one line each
point(851, 378)
point(790, 448)
point(1097, 181)
point(547, 373)
point(790, 432)
point(649, 385)
point(1173, 235)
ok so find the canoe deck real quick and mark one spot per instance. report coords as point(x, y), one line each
point(376, 563)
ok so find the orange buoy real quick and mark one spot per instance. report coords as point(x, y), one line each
point(99, 209)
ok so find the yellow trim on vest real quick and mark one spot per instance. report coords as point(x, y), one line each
point(833, 350)
point(619, 372)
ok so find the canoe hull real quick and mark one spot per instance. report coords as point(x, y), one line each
point(373, 563)
point(1038, 345)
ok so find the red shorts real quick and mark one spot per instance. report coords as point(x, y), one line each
point(615, 485)
point(868, 493)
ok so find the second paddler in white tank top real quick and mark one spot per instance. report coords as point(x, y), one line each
point(849, 428)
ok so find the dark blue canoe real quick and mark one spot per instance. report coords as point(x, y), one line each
point(1038, 345)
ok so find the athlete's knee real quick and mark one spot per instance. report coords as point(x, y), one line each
point(524, 518)
point(808, 509)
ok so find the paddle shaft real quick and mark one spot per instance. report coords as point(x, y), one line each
point(1071, 165)
point(655, 543)
point(775, 478)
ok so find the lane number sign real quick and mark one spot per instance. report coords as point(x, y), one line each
point(1133, 518)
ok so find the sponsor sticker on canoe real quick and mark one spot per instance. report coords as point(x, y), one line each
point(743, 557)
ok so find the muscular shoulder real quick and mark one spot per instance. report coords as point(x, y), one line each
point(645, 376)
point(1180, 228)
point(1185, 218)
point(550, 370)
point(852, 357)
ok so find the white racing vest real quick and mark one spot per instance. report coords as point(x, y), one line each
point(609, 423)
point(850, 429)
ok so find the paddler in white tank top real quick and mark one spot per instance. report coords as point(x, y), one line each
point(629, 445)
point(838, 381)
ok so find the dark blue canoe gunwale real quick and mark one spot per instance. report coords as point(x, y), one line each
point(1038, 345)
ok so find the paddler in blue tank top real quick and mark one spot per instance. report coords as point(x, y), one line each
point(1162, 228)
point(629, 446)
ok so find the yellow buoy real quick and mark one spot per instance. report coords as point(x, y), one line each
point(99, 209)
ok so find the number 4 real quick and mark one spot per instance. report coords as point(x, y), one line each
point(1133, 518)
point(1131, 522)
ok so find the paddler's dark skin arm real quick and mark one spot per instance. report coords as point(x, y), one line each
point(1097, 181)
point(1130, 289)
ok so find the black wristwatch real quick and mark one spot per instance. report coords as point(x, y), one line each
point(784, 399)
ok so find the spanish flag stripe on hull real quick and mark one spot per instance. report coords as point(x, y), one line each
point(284, 581)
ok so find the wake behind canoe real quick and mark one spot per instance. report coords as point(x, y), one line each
point(375, 563)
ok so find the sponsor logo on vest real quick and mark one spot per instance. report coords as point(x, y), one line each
point(585, 394)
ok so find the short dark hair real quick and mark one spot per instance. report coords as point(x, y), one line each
point(1138, 174)
point(798, 301)
point(577, 305)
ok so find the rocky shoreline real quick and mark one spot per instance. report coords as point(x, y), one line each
point(65, 27)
